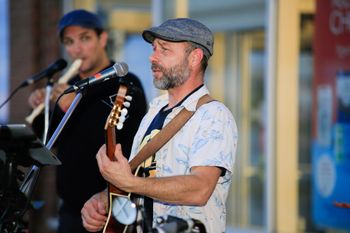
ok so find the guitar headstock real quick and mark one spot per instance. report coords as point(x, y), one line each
point(119, 111)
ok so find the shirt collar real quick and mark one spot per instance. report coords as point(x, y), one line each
point(191, 102)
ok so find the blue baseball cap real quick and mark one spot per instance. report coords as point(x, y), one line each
point(181, 30)
point(81, 18)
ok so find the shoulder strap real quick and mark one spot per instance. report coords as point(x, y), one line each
point(166, 133)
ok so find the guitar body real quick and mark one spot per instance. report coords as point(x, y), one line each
point(121, 204)
point(112, 225)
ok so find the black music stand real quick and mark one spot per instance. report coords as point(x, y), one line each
point(18, 146)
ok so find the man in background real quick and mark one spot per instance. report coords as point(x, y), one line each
point(78, 178)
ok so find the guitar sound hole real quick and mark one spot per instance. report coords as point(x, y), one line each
point(124, 210)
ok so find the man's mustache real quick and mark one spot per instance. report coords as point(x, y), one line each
point(155, 66)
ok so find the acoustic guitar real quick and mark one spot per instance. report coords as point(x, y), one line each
point(121, 210)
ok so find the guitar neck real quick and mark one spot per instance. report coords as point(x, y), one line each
point(110, 129)
point(110, 143)
point(110, 147)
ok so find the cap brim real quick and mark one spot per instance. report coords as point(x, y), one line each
point(150, 36)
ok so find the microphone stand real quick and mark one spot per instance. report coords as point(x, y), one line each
point(65, 118)
point(47, 108)
point(30, 180)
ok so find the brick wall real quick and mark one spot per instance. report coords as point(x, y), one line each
point(33, 46)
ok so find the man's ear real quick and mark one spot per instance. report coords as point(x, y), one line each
point(104, 38)
point(196, 57)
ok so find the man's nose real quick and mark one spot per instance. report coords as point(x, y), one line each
point(153, 57)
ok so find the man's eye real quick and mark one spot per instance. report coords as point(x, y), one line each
point(85, 38)
point(67, 42)
point(163, 49)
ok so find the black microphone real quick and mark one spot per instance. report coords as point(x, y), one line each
point(58, 65)
point(117, 70)
point(172, 224)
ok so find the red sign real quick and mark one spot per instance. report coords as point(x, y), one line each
point(331, 114)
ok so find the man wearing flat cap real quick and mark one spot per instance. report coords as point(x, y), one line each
point(190, 176)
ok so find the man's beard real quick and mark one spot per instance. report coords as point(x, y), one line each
point(172, 77)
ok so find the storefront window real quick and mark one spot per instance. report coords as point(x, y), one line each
point(246, 201)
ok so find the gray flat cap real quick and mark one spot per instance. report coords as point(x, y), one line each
point(180, 30)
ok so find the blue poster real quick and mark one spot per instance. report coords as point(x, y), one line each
point(331, 180)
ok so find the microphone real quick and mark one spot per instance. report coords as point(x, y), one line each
point(119, 69)
point(172, 224)
point(58, 65)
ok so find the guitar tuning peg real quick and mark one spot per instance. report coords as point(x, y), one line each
point(128, 97)
point(124, 112)
point(122, 118)
point(126, 104)
point(120, 126)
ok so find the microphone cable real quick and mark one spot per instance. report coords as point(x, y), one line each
point(11, 95)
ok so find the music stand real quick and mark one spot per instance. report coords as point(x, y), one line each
point(18, 146)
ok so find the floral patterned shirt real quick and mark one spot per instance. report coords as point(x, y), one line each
point(209, 138)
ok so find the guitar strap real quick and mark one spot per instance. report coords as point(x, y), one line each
point(166, 133)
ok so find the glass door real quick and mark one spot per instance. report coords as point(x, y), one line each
point(244, 76)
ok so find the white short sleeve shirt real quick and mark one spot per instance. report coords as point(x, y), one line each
point(209, 138)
